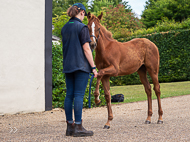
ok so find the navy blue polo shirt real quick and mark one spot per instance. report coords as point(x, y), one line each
point(74, 35)
point(84, 35)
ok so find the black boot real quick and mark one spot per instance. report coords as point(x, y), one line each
point(70, 129)
point(80, 131)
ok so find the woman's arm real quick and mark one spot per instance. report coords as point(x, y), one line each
point(88, 54)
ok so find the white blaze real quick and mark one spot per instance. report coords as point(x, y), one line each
point(93, 27)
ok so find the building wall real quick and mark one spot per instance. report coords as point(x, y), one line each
point(22, 56)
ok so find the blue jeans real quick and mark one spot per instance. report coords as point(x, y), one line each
point(76, 83)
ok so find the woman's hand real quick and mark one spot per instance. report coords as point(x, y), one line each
point(95, 73)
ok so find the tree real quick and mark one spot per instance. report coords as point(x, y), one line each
point(127, 7)
point(115, 2)
point(156, 10)
point(100, 5)
point(149, 3)
point(120, 22)
point(60, 6)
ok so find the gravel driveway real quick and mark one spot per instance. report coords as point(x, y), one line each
point(127, 125)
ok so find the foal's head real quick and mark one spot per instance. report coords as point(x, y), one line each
point(94, 28)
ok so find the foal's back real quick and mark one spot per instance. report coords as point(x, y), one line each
point(130, 56)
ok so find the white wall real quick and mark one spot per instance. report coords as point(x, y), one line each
point(22, 65)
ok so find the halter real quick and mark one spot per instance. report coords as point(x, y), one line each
point(95, 36)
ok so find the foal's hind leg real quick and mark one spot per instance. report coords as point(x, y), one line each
point(106, 85)
point(154, 76)
point(143, 77)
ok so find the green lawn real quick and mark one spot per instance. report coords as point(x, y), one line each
point(134, 93)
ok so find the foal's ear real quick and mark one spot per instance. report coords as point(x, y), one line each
point(89, 15)
point(100, 16)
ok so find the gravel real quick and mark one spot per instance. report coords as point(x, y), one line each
point(127, 125)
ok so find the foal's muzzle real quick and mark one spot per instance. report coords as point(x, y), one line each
point(93, 45)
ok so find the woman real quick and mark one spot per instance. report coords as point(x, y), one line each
point(77, 64)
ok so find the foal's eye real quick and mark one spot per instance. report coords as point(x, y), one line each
point(98, 29)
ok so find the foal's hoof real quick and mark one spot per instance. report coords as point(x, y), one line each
point(106, 127)
point(98, 103)
point(160, 122)
point(147, 122)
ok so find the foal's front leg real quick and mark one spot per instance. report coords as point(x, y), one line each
point(110, 71)
point(104, 75)
point(97, 93)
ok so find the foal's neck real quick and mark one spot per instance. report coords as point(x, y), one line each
point(105, 38)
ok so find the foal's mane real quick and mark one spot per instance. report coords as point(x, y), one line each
point(106, 33)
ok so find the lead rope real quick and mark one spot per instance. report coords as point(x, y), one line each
point(89, 97)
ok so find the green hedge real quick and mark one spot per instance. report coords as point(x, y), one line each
point(174, 49)
point(164, 26)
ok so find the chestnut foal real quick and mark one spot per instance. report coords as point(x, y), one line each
point(114, 58)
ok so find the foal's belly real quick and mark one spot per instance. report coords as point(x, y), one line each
point(126, 68)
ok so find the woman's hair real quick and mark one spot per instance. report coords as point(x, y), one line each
point(73, 11)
